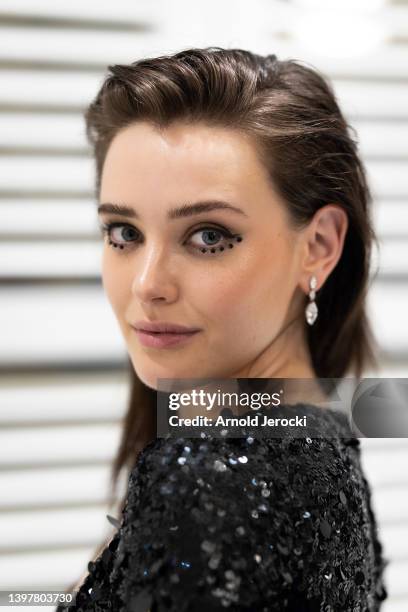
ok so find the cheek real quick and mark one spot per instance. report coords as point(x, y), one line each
point(251, 297)
point(116, 285)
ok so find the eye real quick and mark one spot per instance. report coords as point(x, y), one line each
point(119, 236)
point(213, 239)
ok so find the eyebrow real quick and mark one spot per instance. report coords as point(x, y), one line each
point(186, 210)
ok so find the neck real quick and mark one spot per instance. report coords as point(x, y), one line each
point(286, 357)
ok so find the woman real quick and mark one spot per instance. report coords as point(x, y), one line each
point(237, 227)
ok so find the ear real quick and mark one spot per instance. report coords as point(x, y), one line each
point(323, 244)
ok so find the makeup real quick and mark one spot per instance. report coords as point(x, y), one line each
point(163, 340)
point(227, 238)
point(221, 248)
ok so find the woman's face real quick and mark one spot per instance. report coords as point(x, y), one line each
point(239, 298)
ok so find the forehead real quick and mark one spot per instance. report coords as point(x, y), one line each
point(179, 157)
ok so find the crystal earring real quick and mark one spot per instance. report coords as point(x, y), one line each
point(311, 310)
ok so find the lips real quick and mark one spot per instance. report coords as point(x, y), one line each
point(163, 327)
point(162, 339)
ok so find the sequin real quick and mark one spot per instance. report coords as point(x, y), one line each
point(208, 546)
point(343, 498)
point(283, 549)
point(219, 466)
point(229, 574)
point(325, 528)
point(292, 530)
point(214, 561)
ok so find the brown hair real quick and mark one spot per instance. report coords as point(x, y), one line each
point(302, 138)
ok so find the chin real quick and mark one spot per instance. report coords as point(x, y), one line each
point(151, 379)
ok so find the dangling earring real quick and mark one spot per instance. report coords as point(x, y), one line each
point(311, 310)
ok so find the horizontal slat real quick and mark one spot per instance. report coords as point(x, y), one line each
point(387, 180)
point(384, 468)
point(392, 507)
point(51, 130)
point(71, 174)
point(395, 576)
point(394, 539)
point(394, 604)
point(37, 488)
point(390, 218)
point(62, 90)
point(67, 44)
point(123, 9)
point(55, 218)
point(73, 23)
point(25, 531)
point(44, 571)
point(387, 308)
point(46, 173)
point(384, 63)
point(370, 100)
point(392, 257)
point(56, 445)
point(96, 400)
point(374, 445)
point(51, 258)
point(382, 139)
point(61, 325)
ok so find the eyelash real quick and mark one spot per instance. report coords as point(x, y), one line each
point(227, 235)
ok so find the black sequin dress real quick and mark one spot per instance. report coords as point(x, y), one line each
point(252, 524)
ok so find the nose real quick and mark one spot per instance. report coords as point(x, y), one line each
point(152, 279)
